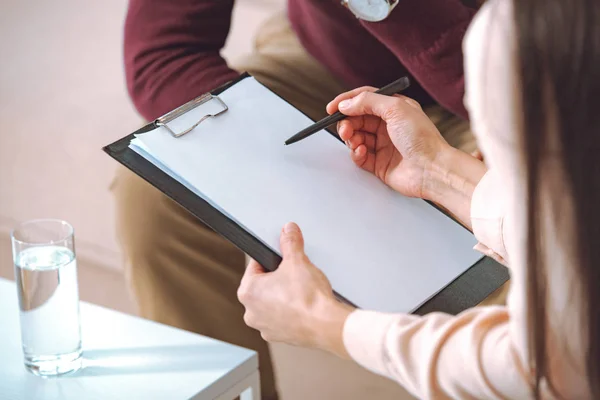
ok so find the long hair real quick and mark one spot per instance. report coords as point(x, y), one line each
point(558, 51)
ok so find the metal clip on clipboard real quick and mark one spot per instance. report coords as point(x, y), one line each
point(190, 105)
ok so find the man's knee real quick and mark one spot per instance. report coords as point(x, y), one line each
point(142, 217)
point(154, 231)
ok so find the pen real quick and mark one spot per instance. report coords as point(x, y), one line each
point(393, 88)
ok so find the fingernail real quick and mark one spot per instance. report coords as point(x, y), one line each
point(291, 227)
point(344, 104)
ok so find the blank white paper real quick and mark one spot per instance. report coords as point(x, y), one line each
point(380, 250)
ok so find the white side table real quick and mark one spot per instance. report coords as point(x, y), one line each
point(128, 358)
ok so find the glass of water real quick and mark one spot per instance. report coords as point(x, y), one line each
point(46, 275)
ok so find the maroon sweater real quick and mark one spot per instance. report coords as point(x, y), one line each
point(172, 48)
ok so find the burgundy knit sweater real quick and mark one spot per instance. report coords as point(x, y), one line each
point(172, 48)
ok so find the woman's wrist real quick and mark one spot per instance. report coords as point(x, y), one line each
point(450, 181)
point(327, 323)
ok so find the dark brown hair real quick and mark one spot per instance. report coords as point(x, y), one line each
point(558, 51)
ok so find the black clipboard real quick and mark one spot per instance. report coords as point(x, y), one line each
point(467, 290)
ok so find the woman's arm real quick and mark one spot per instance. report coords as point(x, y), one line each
point(469, 356)
point(472, 355)
point(451, 180)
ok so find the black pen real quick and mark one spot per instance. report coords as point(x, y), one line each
point(393, 88)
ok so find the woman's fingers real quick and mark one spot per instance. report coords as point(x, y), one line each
point(362, 138)
point(354, 136)
point(478, 155)
point(345, 129)
point(291, 241)
point(366, 123)
point(356, 140)
point(252, 270)
point(363, 158)
point(351, 136)
point(333, 105)
point(385, 107)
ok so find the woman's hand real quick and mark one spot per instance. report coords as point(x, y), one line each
point(294, 304)
point(390, 137)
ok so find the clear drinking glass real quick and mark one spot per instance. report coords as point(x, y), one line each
point(46, 275)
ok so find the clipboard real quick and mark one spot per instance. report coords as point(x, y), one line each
point(467, 290)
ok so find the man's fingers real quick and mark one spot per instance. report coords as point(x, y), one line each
point(291, 241)
point(333, 105)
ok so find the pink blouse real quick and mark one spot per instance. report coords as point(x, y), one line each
point(482, 353)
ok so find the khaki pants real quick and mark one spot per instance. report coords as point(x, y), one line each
point(184, 274)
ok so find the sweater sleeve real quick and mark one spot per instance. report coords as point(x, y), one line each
point(426, 36)
point(172, 51)
point(438, 356)
point(488, 209)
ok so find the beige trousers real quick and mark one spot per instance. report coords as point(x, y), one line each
point(184, 274)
